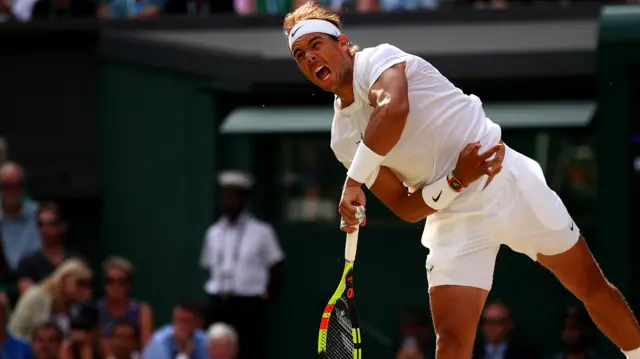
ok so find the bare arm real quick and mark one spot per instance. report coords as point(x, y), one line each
point(146, 323)
point(390, 190)
point(389, 97)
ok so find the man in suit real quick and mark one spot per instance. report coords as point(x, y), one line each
point(497, 343)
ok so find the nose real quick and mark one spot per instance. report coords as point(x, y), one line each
point(311, 56)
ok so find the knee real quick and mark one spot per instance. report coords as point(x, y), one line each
point(452, 343)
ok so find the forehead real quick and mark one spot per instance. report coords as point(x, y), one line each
point(10, 173)
point(495, 310)
point(305, 39)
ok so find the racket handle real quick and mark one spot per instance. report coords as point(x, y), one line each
point(351, 245)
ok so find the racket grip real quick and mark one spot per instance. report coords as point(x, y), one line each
point(351, 245)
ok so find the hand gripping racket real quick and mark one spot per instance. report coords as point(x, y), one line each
point(339, 336)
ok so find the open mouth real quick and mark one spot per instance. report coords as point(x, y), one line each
point(322, 72)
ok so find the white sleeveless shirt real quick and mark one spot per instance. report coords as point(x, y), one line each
point(441, 122)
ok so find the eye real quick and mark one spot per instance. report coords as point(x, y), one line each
point(315, 45)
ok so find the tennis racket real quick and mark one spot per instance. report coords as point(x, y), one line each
point(339, 336)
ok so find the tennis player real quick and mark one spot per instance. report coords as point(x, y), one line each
point(413, 124)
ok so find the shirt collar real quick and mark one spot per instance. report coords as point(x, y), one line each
point(496, 348)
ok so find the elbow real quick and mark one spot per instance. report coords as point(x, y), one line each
point(400, 109)
point(409, 217)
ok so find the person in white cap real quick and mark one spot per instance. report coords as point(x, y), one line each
point(245, 262)
point(397, 119)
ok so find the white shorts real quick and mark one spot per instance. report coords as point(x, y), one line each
point(517, 209)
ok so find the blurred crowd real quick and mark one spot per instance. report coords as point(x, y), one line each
point(48, 308)
point(26, 10)
point(498, 337)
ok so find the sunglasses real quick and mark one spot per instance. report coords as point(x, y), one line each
point(494, 321)
point(11, 185)
point(48, 223)
point(84, 283)
point(116, 280)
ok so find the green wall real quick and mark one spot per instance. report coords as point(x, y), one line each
point(158, 140)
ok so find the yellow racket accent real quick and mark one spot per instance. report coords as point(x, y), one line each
point(324, 323)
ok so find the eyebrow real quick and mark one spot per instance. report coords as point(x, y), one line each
point(317, 37)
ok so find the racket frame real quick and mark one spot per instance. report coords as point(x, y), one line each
point(345, 286)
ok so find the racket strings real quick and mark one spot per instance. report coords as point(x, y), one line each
point(339, 333)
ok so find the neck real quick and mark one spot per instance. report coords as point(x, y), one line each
point(10, 210)
point(345, 90)
point(52, 249)
point(233, 218)
point(117, 303)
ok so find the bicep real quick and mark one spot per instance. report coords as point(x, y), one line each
point(391, 89)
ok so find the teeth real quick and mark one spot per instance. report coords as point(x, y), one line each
point(319, 68)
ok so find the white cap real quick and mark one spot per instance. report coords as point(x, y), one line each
point(235, 179)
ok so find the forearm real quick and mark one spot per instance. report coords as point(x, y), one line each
point(390, 190)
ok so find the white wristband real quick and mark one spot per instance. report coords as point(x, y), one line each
point(439, 194)
point(365, 162)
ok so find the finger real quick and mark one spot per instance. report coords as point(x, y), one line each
point(348, 217)
point(496, 170)
point(493, 150)
point(347, 229)
point(467, 149)
point(497, 161)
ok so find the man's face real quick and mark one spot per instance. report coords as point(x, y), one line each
point(124, 341)
point(184, 324)
point(51, 229)
point(223, 348)
point(496, 323)
point(12, 186)
point(231, 200)
point(322, 59)
point(46, 344)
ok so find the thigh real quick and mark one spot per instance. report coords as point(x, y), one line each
point(456, 312)
point(576, 269)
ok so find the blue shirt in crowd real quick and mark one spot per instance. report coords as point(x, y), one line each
point(162, 345)
point(20, 235)
point(14, 348)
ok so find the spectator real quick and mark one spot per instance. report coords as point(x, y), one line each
point(127, 9)
point(3, 143)
point(38, 265)
point(84, 340)
point(18, 215)
point(223, 341)
point(497, 329)
point(10, 347)
point(577, 336)
point(51, 299)
point(183, 338)
point(415, 330)
point(47, 341)
point(118, 304)
point(337, 5)
point(125, 340)
point(245, 264)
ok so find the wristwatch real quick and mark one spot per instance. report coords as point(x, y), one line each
point(454, 183)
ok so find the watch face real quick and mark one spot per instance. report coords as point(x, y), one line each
point(455, 184)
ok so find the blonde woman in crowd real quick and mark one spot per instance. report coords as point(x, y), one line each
point(51, 298)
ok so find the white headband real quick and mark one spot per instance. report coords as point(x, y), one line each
point(312, 25)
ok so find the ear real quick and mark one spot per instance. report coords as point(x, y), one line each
point(343, 41)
